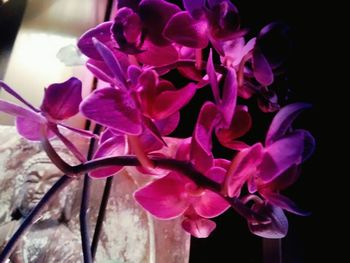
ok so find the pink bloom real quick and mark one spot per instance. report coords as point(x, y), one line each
point(61, 101)
point(175, 194)
point(273, 167)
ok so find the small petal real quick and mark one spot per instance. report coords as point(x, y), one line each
point(61, 100)
point(134, 73)
point(112, 63)
point(243, 166)
point(185, 30)
point(169, 124)
point(100, 32)
point(229, 96)
point(240, 125)
point(30, 129)
point(153, 129)
point(201, 154)
point(100, 70)
point(276, 228)
point(261, 68)
point(171, 101)
point(285, 203)
point(19, 111)
point(213, 78)
point(216, 173)
point(157, 56)
point(281, 155)
point(114, 146)
point(164, 198)
point(210, 204)
point(127, 31)
point(198, 227)
point(283, 120)
point(155, 14)
point(113, 108)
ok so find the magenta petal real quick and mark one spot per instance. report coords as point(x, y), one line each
point(19, 111)
point(169, 124)
point(114, 146)
point(261, 68)
point(309, 144)
point(216, 173)
point(276, 228)
point(153, 129)
point(157, 56)
point(134, 73)
point(171, 101)
point(283, 120)
point(185, 30)
point(107, 134)
point(100, 70)
point(213, 78)
point(198, 227)
point(154, 15)
point(112, 63)
point(30, 129)
point(61, 100)
point(201, 154)
point(229, 96)
point(286, 179)
point(285, 203)
point(100, 32)
point(210, 204)
point(243, 166)
point(240, 125)
point(281, 155)
point(164, 198)
point(113, 108)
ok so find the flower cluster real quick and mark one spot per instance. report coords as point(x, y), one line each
point(138, 109)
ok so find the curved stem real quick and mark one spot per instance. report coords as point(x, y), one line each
point(33, 215)
point(52, 154)
point(101, 215)
point(183, 167)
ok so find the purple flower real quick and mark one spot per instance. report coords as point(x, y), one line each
point(235, 121)
point(272, 168)
point(61, 101)
point(203, 21)
point(137, 30)
point(175, 194)
point(138, 99)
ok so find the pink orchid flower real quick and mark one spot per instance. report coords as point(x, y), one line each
point(175, 194)
point(235, 120)
point(61, 101)
point(136, 101)
point(272, 168)
point(203, 21)
point(137, 30)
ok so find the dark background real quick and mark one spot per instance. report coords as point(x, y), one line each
point(308, 237)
